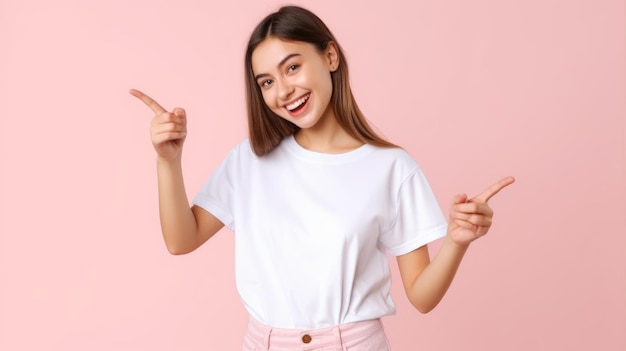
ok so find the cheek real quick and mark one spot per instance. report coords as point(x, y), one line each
point(267, 95)
point(326, 84)
point(329, 84)
point(324, 79)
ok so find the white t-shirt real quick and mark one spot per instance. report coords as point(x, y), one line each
point(311, 229)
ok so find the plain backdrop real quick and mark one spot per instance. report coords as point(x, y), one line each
point(474, 90)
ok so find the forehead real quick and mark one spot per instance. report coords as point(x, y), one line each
point(271, 51)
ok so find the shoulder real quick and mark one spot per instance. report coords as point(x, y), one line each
point(240, 154)
point(243, 148)
point(397, 166)
point(395, 156)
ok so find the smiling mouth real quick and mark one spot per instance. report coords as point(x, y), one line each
point(298, 104)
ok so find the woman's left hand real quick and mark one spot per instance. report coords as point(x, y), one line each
point(469, 219)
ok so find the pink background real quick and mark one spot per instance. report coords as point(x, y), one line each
point(475, 90)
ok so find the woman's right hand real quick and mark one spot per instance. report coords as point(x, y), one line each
point(168, 129)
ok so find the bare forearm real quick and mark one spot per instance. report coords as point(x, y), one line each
point(431, 285)
point(178, 223)
point(425, 281)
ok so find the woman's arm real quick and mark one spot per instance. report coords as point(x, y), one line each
point(425, 282)
point(184, 228)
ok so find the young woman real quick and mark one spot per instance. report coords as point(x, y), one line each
point(316, 199)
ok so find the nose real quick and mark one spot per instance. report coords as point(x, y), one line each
point(285, 89)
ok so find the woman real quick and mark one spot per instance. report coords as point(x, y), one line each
point(316, 200)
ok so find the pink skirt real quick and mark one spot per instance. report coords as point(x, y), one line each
point(359, 336)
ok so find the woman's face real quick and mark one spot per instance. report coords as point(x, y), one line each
point(295, 79)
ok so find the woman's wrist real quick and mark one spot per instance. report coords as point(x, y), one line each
point(452, 244)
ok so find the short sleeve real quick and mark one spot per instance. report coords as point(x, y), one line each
point(217, 195)
point(418, 217)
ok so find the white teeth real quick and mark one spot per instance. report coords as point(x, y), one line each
point(297, 103)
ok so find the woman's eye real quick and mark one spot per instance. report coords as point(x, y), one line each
point(266, 83)
point(293, 68)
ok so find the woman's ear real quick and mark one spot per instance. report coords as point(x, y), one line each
point(331, 55)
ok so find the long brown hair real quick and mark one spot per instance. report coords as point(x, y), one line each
point(267, 129)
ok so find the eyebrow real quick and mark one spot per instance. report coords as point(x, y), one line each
point(282, 62)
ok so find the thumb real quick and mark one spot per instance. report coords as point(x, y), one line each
point(179, 112)
point(459, 199)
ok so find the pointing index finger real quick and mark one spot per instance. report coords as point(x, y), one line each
point(154, 106)
point(494, 189)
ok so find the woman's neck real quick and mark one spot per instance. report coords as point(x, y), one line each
point(327, 136)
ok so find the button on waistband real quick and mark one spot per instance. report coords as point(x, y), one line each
point(306, 338)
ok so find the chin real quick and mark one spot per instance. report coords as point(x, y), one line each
point(303, 124)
